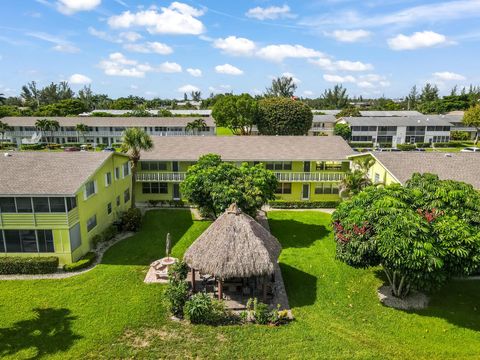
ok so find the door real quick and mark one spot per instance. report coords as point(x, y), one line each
point(176, 191)
point(306, 192)
point(306, 166)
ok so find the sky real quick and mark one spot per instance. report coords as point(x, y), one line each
point(164, 48)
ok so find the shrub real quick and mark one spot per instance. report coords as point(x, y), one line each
point(406, 147)
point(83, 263)
point(260, 312)
point(7, 145)
point(361, 144)
point(178, 272)
point(177, 295)
point(385, 145)
point(53, 146)
point(202, 309)
point(28, 265)
point(101, 146)
point(32, 146)
point(153, 203)
point(281, 204)
point(459, 135)
point(279, 317)
point(131, 219)
point(109, 233)
point(450, 144)
point(423, 145)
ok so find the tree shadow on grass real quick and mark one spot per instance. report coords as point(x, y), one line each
point(295, 234)
point(48, 333)
point(458, 302)
point(301, 287)
point(149, 243)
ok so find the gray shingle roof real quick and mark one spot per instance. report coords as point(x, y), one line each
point(420, 120)
point(455, 166)
point(375, 112)
point(249, 148)
point(324, 118)
point(107, 121)
point(47, 173)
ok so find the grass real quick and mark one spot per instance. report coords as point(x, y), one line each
point(223, 131)
point(110, 313)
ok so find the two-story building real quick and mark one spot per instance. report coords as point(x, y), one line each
point(54, 203)
point(101, 130)
point(308, 168)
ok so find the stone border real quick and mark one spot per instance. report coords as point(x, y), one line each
point(100, 251)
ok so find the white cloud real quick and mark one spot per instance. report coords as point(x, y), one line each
point(228, 69)
point(61, 45)
point(233, 45)
point(126, 36)
point(308, 93)
point(270, 13)
point(178, 18)
point(341, 65)
point(118, 65)
point(69, 7)
point(67, 48)
point(149, 47)
point(79, 79)
point(416, 40)
point(448, 76)
point(338, 78)
point(280, 52)
point(194, 72)
point(187, 88)
point(350, 36)
point(294, 78)
point(130, 36)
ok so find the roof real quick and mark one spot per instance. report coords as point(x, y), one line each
point(375, 113)
point(420, 120)
point(455, 166)
point(47, 173)
point(234, 245)
point(107, 121)
point(249, 148)
point(324, 118)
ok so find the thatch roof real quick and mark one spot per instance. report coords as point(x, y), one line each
point(235, 245)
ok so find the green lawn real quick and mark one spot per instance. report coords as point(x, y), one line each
point(110, 313)
point(223, 131)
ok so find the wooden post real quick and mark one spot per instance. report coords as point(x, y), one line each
point(193, 279)
point(220, 289)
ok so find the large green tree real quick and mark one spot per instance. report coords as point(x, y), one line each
point(213, 185)
point(4, 127)
point(421, 234)
point(81, 129)
point(237, 112)
point(284, 116)
point(134, 141)
point(343, 130)
point(47, 126)
point(283, 86)
point(472, 118)
point(336, 98)
point(349, 112)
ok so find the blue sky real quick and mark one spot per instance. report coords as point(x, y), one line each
point(163, 48)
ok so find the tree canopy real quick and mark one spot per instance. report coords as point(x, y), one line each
point(421, 234)
point(213, 185)
point(349, 112)
point(343, 130)
point(237, 112)
point(284, 116)
point(472, 118)
point(283, 86)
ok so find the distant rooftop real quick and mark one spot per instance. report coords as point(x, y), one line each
point(199, 112)
point(374, 113)
point(47, 173)
point(249, 148)
point(455, 166)
point(420, 120)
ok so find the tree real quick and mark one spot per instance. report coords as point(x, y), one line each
point(31, 94)
point(421, 234)
point(412, 98)
point(85, 95)
point(282, 87)
point(4, 127)
point(353, 182)
point(283, 116)
point(135, 140)
point(62, 108)
point(213, 185)
point(472, 118)
point(349, 112)
point(237, 112)
point(343, 130)
point(429, 93)
point(196, 125)
point(196, 95)
point(81, 129)
point(335, 98)
point(2, 98)
point(47, 126)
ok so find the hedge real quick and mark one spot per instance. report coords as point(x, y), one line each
point(423, 145)
point(451, 144)
point(32, 146)
point(28, 265)
point(84, 262)
point(406, 147)
point(281, 204)
point(167, 203)
point(361, 144)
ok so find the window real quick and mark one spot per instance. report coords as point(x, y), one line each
point(7, 205)
point(117, 173)
point(40, 205)
point(24, 205)
point(108, 179)
point(326, 188)
point(109, 208)
point(155, 188)
point(89, 189)
point(27, 241)
point(91, 223)
point(118, 200)
point(126, 196)
point(71, 203)
point(377, 178)
point(126, 169)
point(279, 165)
point(361, 138)
point(75, 237)
point(45, 241)
point(154, 166)
point(57, 204)
point(284, 188)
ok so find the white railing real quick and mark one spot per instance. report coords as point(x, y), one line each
point(281, 176)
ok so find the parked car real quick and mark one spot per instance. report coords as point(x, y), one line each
point(419, 149)
point(71, 148)
point(395, 150)
point(471, 149)
point(108, 149)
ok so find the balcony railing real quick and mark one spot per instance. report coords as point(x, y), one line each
point(281, 176)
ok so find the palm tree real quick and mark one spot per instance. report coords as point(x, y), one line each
point(42, 125)
point(2, 98)
point(354, 182)
point(364, 163)
point(46, 125)
point(81, 129)
point(135, 140)
point(53, 126)
point(4, 127)
point(198, 124)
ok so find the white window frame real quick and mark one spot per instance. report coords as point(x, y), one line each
point(123, 170)
point(117, 173)
point(107, 183)
point(96, 222)
point(95, 189)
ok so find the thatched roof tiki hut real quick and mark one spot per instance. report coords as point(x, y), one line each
point(236, 250)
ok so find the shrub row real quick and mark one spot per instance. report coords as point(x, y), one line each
point(84, 262)
point(106, 235)
point(281, 204)
point(406, 147)
point(7, 145)
point(167, 203)
point(451, 144)
point(361, 144)
point(28, 265)
point(32, 146)
point(131, 219)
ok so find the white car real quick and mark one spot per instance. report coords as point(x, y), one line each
point(471, 149)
